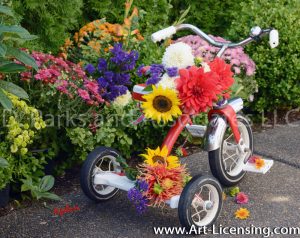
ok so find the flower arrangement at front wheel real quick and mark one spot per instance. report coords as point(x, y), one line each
point(159, 178)
point(191, 89)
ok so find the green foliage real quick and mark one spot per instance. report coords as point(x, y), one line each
point(213, 17)
point(41, 188)
point(49, 19)
point(10, 36)
point(6, 168)
point(115, 129)
point(277, 69)
point(3, 163)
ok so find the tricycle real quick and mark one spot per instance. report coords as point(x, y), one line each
point(228, 139)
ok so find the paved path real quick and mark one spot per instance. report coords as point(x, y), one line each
point(274, 201)
point(281, 143)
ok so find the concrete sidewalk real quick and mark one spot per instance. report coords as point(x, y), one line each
point(281, 143)
point(274, 201)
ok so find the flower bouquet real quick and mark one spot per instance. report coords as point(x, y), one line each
point(182, 84)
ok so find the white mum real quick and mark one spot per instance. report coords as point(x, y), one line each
point(122, 100)
point(167, 82)
point(178, 55)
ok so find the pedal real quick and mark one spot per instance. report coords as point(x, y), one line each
point(196, 130)
point(250, 167)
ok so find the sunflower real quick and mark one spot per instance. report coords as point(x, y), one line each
point(161, 104)
point(242, 213)
point(156, 157)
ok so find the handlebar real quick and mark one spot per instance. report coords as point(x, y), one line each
point(256, 33)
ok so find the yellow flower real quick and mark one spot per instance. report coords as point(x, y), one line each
point(43, 124)
point(242, 213)
point(23, 151)
point(13, 148)
point(37, 125)
point(155, 157)
point(26, 126)
point(161, 104)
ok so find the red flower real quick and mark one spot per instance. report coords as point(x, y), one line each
point(184, 152)
point(223, 74)
point(197, 90)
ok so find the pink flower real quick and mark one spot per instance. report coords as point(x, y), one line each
point(241, 198)
point(92, 86)
point(84, 94)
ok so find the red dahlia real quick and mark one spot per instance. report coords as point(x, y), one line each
point(223, 74)
point(197, 90)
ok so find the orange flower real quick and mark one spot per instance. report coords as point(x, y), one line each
point(242, 213)
point(259, 163)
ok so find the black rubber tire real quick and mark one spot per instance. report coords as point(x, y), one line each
point(187, 196)
point(216, 161)
point(86, 173)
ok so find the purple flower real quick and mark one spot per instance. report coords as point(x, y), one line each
point(114, 72)
point(172, 72)
point(102, 82)
point(102, 65)
point(90, 68)
point(142, 185)
point(135, 195)
point(156, 71)
point(139, 70)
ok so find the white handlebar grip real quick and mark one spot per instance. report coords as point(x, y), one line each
point(274, 38)
point(163, 34)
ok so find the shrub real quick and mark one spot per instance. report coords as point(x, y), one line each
point(277, 69)
point(65, 97)
point(49, 19)
point(20, 137)
point(212, 17)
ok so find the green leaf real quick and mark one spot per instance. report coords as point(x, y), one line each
point(48, 195)
point(14, 30)
point(148, 89)
point(131, 173)
point(27, 184)
point(13, 89)
point(46, 183)
point(3, 49)
point(12, 68)
point(6, 10)
point(22, 56)
point(5, 101)
point(3, 163)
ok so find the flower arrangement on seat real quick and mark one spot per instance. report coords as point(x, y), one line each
point(179, 86)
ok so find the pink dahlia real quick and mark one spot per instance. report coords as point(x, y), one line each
point(241, 198)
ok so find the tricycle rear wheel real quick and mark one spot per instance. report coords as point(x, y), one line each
point(100, 160)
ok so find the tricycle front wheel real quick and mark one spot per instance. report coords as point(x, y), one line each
point(200, 202)
point(100, 160)
point(227, 162)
